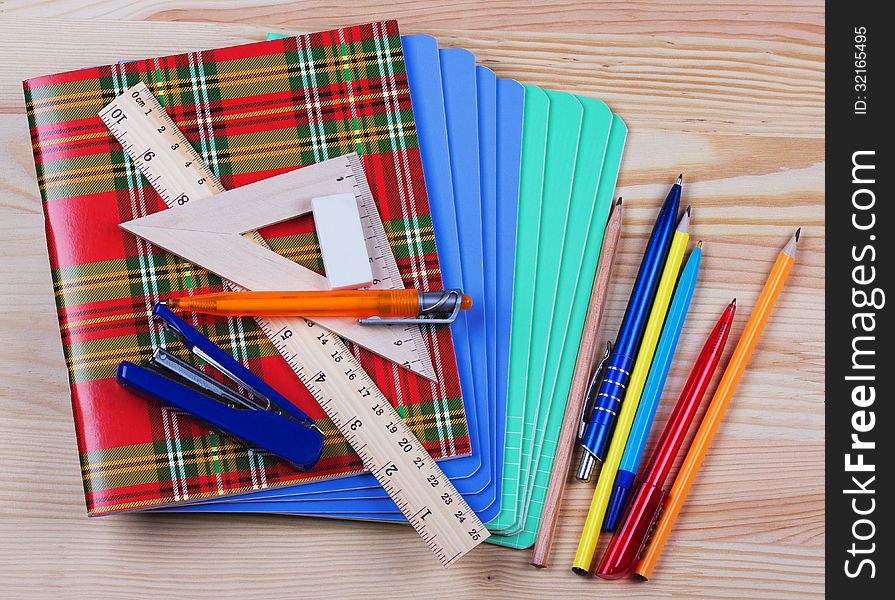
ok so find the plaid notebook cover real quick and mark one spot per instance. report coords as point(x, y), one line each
point(253, 111)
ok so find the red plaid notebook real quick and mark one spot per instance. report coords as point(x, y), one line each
point(252, 111)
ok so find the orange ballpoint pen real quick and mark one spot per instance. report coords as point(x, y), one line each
point(373, 304)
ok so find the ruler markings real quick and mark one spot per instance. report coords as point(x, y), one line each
point(333, 376)
point(170, 158)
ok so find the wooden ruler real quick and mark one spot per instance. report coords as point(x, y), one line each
point(323, 363)
point(177, 172)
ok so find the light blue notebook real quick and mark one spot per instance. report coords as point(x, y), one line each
point(510, 107)
point(486, 93)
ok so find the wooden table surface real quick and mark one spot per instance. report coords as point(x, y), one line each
point(728, 92)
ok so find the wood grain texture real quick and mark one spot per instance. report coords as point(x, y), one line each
point(729, 92)
point(801, 21)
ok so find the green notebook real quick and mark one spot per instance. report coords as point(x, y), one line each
point(585, 213)
point(563, 131)
point(534, 145)
point(544, 455)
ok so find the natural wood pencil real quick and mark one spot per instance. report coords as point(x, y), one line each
point(580, 376)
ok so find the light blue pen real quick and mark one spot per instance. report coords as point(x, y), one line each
point(652, 389)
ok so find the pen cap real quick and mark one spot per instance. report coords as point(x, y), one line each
point(623, 482)
point(630, 540)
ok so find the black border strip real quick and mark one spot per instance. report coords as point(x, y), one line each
point(859, 265)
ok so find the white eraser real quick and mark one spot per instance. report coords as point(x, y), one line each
point(341, 238)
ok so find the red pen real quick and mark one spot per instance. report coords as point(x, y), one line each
point(631, 537)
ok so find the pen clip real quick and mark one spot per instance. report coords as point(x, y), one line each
point(374, 320)
point(443, 301)
point(587, 406)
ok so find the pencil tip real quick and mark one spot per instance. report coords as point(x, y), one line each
point(680, 179)
point(734, 302)
point(792, 243)
point(683, 225)
point(619, 203)
point(699, 244)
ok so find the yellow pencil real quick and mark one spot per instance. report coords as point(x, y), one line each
point(588, 543)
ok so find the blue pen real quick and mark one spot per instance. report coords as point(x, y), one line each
point(652, 389)
point(611, 392)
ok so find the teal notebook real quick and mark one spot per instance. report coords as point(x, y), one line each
point(530, 516)
point(531, 182)
point(563, 130)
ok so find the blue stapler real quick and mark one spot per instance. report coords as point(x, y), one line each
point(266, 421)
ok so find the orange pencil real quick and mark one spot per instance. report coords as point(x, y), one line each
point(325, 303)
point(718, 405)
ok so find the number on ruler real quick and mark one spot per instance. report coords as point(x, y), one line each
point(118, 115)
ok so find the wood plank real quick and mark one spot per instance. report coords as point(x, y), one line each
point(742, 120)
point(696, 84)
point(800, 21)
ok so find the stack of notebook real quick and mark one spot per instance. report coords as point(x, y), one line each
point(519, 183)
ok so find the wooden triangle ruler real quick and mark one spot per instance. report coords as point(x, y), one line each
point(171, 164)
point(208, 232)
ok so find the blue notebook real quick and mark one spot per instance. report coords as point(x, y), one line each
point(510, 103)
point(458, 86)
